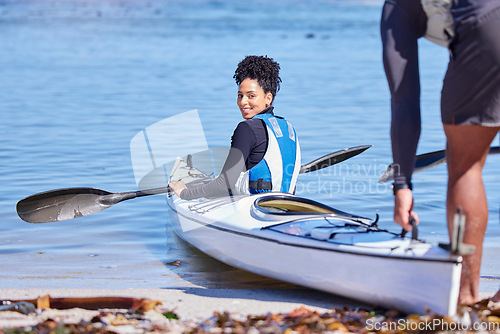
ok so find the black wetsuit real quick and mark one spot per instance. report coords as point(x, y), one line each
point(248, 146)
point(471, 88)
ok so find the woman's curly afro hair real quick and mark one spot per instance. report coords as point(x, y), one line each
point(261, 68)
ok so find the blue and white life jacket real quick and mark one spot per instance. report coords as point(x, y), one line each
point(279, 168)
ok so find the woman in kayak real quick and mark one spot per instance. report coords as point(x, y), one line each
point(265, 153)
point(470, 107)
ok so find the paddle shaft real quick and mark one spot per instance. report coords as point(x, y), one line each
point(114, 198)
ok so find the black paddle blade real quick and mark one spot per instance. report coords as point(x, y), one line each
point(333, 158)
point(422, 162)
point(425, 161)
point(61, 204)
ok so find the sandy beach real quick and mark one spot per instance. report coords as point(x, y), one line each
point(199, 303)
point(198, 307)
point(193, 306)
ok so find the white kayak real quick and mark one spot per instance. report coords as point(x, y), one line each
point(307, 243)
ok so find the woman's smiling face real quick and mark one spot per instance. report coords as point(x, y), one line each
point(252, 99)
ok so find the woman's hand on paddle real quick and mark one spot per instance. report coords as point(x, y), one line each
point(177, 187)
point(403, 208)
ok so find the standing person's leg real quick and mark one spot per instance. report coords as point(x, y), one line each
point(466, 152)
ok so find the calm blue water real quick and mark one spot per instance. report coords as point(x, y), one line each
point(78, 79)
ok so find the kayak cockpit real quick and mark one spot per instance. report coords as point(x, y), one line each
point(290, 205)
point(277, 204)
point(317, 221)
